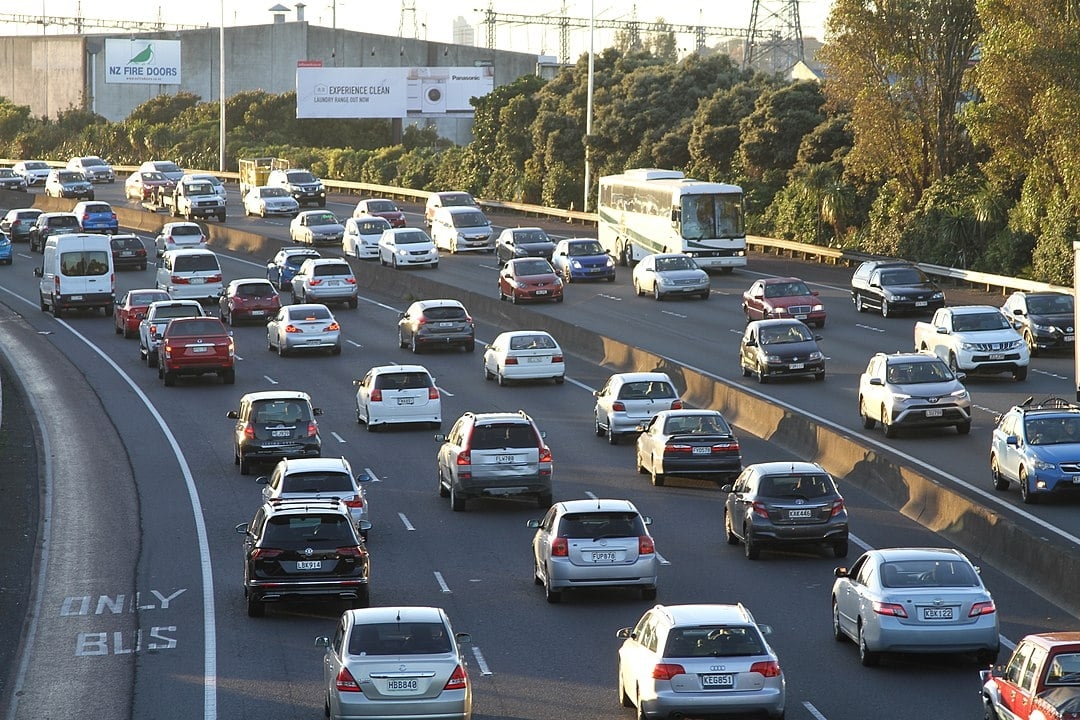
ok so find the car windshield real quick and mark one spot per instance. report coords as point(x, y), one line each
point(383, 206)
point(532, 342)
point(1052, 430)
point(7, 173)
point(796, 486)
point(199, 188)
point(301, 176)
point(70, 176)
point(532, 267)
point(272, 192)
point(665, 264)
point(714, 641)
point(928, 574)
point(976, 322)
point(259, 289)
point(321, 530)
point(1064, 669)
point(456, 199)
point(596, 525)
point(371, 227)
point(317, 482)
point(268, 412)
point(918, 372)
point(786, 289)
point(322, 219)
point(35, 165)
point(785, 334)
point(696, 425)
point(646, 390)
point(494, 437)
point(92, 161)
point(904, 276)
point(399, 638)
point(152, 177)
point(1050, 304)
point(410, 238)
point(529, 237)
point(167, 167)
point(584, 248)
point(470, 219)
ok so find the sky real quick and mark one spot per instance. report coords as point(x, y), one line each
point(425, 19)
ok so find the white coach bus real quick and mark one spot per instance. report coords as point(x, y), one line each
point(646, 211)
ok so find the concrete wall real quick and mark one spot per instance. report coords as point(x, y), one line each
point(56, 72)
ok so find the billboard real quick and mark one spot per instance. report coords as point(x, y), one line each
point(142, 61)
point(389, 92)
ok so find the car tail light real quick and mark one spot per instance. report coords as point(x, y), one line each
point(510, 361)
point(433, 393)
point(376, 396)
point(351, 551)
point(645, 545)
point(422, 320)
point(618, 406)
point(249, 431)
point(113, 215)
point(56, 283)
point(559, 547)
point(676, 404)
point(982, 608)
point(678, 448)
point(178, 280)
point(837, 508)
point(214, 278)
point(726, 446)
point(666, 671)
point(556, 358)
point(458, 679)
point(545, 454)
point(893, 609)
point(314, 281)
point(350, 281)
point(333, 326)
point(264, 553)
point(85, 217)
point(356, 501)
point(292, 329)
point(312, 429)
point(468, 319)
point(345, 681)
point(768, 668)
point(760, 509)
point(464, 458)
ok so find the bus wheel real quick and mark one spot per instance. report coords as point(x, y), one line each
point(624, 254)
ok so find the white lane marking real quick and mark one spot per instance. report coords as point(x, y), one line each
point(663, 560)
point(338, 437)
point(609, 297)
point(480, 662)
point(986, 409)
point(407, 524)
point(354, 343)
point(871, 328)
point(580, 384)
point(813, 710)
point(372, 477)
point(270, 380)
point(1049, 374)
point(442, 583)
point(591, 494)
point(488, 267)
point(674, 314)
point(444, 391)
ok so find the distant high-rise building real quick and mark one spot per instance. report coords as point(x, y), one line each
point(464, 33)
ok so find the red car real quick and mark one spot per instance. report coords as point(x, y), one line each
point(529, 279)
point(131, 308)
point(143, 186)
point(1041, 680)
point(783, 297)
point(248, 299)
point(380, 207)
point(194, 346)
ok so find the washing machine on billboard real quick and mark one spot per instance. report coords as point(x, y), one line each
point(433, 94)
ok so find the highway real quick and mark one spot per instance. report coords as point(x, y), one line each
point(178, 642)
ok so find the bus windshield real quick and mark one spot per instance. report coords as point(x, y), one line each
point(711, 216)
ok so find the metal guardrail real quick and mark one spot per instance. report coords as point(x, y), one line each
point(817, 253)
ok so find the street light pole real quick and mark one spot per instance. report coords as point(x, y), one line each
point(588, 109)
point(221, 90)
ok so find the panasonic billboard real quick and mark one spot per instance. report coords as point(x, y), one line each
point(389, 92)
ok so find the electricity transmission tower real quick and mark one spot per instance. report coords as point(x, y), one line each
point(774, 39)
point(408, 9)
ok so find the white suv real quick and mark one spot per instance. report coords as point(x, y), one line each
point(913, 389)
point(390, 394)
point(190, 275)
point(177, 235)
point(320, 479)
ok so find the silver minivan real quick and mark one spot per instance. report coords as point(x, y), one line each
point(457, 229)
point(631, 399)
point(191, 274)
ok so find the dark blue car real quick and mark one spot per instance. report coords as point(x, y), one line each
point(582, 259)
point(96, 216)
point(281, 269)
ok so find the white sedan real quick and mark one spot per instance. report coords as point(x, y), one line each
point(265, 200)
point(670, 274)
point(524, 355)
point(315, 227)
point(361, 238)
point(404, 247)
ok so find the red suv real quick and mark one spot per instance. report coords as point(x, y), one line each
point(193, 346)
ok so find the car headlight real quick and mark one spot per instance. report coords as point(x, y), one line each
point(815, 355)
point(967, 346)
point(1043, 328)
point(772, 358)
point(817, 308)
point(892, 296)
point(558, 282)
point(959, 394)
point(1016, 344)
point(938, 296)
point(401, 251)
point(609, 262)
point(900, 397)
point(1043, 465)
point(576, 264)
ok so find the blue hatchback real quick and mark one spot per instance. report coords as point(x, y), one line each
point(281, 269)
point(96, 216)
point(5, 249)
point(582, 259)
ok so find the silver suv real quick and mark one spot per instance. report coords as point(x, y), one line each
point(325, 280)
point(628, 400)
point(436, 323)
point(494, 455)
point(912, 390)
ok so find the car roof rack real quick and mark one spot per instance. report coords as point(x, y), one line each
point(1051, 402)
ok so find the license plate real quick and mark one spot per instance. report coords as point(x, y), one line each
point(199, 348)
point(797, 366)
point(197, 280)
point(702, 451)
point(800, 317)
point(446, 324)
point(309, 564)
point(535, 359)
point(541, 292)
point(800, 513)
point(405, 401)
point(257, 312)
point(281, 433)
point(717, 681)
point(504, 459)
point(920, 303)
point(76, 297)
point(997, 356)
point(332, 283)
point(937, 613)
point(934, 412)
point(1069, 338)
point(603, 557)
point(127, 253)
point(411, 685)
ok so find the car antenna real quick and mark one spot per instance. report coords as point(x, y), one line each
point(1027, 402)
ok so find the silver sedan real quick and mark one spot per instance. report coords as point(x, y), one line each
point(303, 327)
point(670, 274)
point(922, 600)
point(264, 200)
point(315, 227)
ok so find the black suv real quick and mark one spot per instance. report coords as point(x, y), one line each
point(128, 251)
point(303, 549)
point(1045, 319)
point(781, 504)
point(436, 323)
point(272, 425)
point(893, 287)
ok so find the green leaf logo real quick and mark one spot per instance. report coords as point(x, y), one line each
point(143, 57)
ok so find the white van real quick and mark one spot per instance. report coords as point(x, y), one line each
point(190, 274)
point(77, 272)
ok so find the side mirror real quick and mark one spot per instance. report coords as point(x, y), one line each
point(624, 633)
point(726, 488)
point(439, 437)
point(596, 393)
point(840, 572)
point(323, 642)
point(242, 529)
point(234, 414)
point(37, 272)
point(750, 343)
point(263, 480)
point(532, 524)
point(818, 338)
point(316, 411)
point(364, 525)
point(463, 637)
point(1012, 440)
point(357, 383)
point(814, 292)
point(877, 381)
point(647, 519)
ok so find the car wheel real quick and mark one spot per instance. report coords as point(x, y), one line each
point(953, 365)
point(336, 350)
point(886, 425)
point(750, 546)
point(117, 329)
point(353, 304)
point(867, 421)
point(837, 633)
point(648, 593)
point(414, 346)
point(624, 699)
point(470, 346)
point(402, 343)
point(1026, 494)
point(656, 292)
point(745, 370)
point(551, 595)
point(840, 548)
point(1020, 374)
point(394, 263)
point(612, 436)
point(986, 658)
point(600, 432)
point(886, 311)
point(729, 530)
point(255, 608)
point(513, 297)
point(567, 277)
point(1000, 481)
point(859, 307)
point(282, 351)
point(1029, 340)
point(368, 425)
point(964, 428)
point(637, 288)
point(363, 597)
point(762, 376)
point(560, 380)
point(245, 465)
point(487, 373)
point(151, 358)
point(866, 656)
point(457, 502)
point(544, 500)
point(657, 477)
point(228, 376)
point(443, 490)
point(501, 378)
point(127, 333)
point(169, 378)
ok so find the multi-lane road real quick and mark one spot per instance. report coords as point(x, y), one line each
point(147, 617)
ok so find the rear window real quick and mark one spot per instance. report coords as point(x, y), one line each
point(595, 525)
point(493, 437)
point(175, 311)
point(311, 313)
point(723, 641)
point(697, 424)
point(403, 381)
point(97, 208)
point(334, 269)
point(445, 313)
point(260, 290)
point(63, 221)
point(278, 411)
point(647, 390)
point(195, 263)
point(399, 639)
point(193, 328)
point(532, 342)
point(928, 573)
point(127, 243)
point(796, 486)
point(317, 482)
point(88, 263)
point(299, 259)
point(185, 231)
point(322, 530)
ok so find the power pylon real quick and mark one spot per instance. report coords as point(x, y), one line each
point(408, 9)
point(774, 40)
